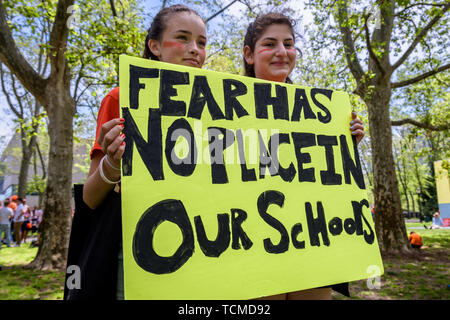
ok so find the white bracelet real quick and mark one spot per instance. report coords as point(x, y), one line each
point(110, 163)
point(103, 175)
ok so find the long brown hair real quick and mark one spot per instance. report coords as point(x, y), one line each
point(256, 29)
point(159, 24)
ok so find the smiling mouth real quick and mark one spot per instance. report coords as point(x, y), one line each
point(192, 61)
point(279, 63)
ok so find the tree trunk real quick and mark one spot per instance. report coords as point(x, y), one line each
point(27, 153)
point(413, 204)
point(53, 93)
point(57, 217)
point(389, 223)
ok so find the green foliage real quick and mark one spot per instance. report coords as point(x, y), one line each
point(36, 185)
point(429, 197)
point(96, 40)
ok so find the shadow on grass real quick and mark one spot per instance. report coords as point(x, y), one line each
point(19, 283)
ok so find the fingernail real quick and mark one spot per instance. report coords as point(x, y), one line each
point(352, 122)
point(122, 120)
point(122, 136)
point(351, 127)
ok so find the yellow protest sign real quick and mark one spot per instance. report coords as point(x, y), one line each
point(237, 188)
point(443, 190)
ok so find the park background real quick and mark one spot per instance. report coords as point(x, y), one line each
point(60, 58)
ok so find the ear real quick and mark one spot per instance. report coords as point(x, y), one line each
point(248, 55)
point(155, 47)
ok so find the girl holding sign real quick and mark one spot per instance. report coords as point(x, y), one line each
point(270, 54)
point(177, 35)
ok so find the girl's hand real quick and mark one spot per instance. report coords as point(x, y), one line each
point(357, 127)
point(112, 140)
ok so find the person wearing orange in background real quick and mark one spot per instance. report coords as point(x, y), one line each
point(270, 54)
point(13, 206)
point(415, 240)
point(5, 214)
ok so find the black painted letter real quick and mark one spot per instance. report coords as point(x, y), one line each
point(316, 225)
point(264, 200)
point(217, 247)
point(143, 251)
point(229, 94)
point(151, 151)
point(169, 78)
point(303, 140)
point(329, 177)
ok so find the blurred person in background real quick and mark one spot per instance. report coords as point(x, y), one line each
point(5, 215)
point(18, 220)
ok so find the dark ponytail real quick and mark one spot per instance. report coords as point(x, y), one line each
point(159, 24)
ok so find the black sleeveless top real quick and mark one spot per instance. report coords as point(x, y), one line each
point(94, 244)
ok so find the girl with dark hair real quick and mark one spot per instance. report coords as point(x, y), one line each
point(177, 35)
point(270, 54)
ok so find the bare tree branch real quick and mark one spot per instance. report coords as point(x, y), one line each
point(113, 8)
point(425, 75)
point(60, 31)
point(5, 92)
point(58, 39)
point(420, 4)
point(369, 47)
point(221, 10)
point(349, 45)
point(422, 125)
point(420, 36)
point(44, 173)
point(16, 62)
point(18, 97)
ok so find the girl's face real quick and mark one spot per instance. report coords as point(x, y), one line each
point(182, 42)
point(274, 55)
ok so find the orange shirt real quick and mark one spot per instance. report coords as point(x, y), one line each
point(415, 239)
point(13, 206)
point(109, 109)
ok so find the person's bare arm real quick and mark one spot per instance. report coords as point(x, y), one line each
point(112, 142)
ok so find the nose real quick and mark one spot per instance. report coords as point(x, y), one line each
point(281, 50)
point(193, 48)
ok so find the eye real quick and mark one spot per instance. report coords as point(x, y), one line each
point(202, 44)
point(182, 37)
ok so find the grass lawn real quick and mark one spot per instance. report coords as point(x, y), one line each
point(425, 277)
point(17, 283)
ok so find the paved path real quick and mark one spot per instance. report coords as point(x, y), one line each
point(427, 228)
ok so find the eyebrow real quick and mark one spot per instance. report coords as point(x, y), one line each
point(188, 32)
point(273, 39)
